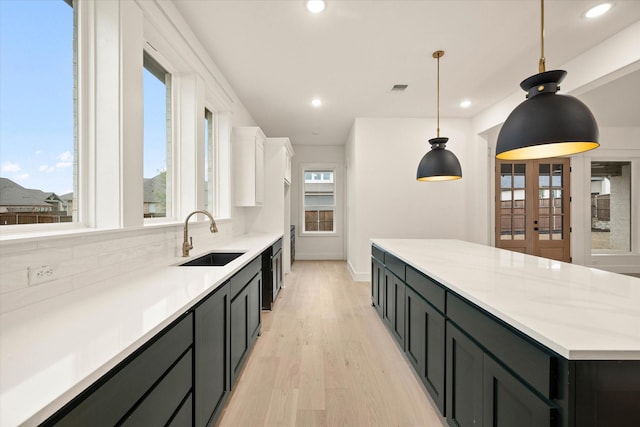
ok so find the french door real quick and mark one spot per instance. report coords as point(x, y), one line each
point(532, 207)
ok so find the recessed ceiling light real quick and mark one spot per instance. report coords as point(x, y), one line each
point(598, 10)
point(465, 103)
point(316, 102)
point(315, 6)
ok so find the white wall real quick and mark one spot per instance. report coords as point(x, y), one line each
point(383, 158)
point(352, 196)
point(324, 246)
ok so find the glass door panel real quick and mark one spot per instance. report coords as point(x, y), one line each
point(550, 205)
point(512, 201)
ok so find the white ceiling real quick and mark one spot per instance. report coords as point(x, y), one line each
point(277, 56)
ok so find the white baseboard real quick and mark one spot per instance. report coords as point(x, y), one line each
point(328, 256)
point(358, 277)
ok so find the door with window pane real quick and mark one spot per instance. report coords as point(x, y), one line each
point(532, 207)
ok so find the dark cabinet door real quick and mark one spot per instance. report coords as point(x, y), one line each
point(377, 284)
point(239, 332)
point(393, 307)
point(398, 310)
point(387, 298)
point(425, 344)
point(212, 329)
point(508, 402)
point(254, 308)
point(277, 273)
point(272, 274)
point(464, 385)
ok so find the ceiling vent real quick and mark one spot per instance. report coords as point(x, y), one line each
point(399, 88)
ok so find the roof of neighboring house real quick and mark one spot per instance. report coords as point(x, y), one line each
point(12, 194)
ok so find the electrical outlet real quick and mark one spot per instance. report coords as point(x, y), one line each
point(42, 274)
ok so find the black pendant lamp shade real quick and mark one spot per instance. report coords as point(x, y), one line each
point(546, 124)
point(439, 164)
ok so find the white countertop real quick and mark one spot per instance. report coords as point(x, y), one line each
point(581, 313)
point(51, 351)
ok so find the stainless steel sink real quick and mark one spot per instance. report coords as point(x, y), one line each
point(213, 259)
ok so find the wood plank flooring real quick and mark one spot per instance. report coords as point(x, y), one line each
point(325, 359)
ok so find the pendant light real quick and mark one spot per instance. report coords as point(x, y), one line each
point(546, 124)
point(439, 164)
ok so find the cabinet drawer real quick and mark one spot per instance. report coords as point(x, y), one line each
point(244, 276)
point(427, 288)
point(165, 399)
point(533, 363)
point(109, 399)
point(395, 265)
point(277, 246)
point(184, 416)
point(377, 253)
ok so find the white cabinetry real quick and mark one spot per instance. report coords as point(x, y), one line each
point(248, 166)
point(287, 165)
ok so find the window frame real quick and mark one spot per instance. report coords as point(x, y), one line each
point(619, 262)
point(172, 141)
point(81, 13)
point(320, 167)
point(634, 200)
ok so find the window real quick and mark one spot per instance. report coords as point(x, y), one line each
point(610, 206)
point(209, 153)
point(319, 200)
point(38, 89)
point(157, 139)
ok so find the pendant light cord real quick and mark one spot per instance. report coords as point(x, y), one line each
point(438, 54)
point(542, 65)
point(438, 101)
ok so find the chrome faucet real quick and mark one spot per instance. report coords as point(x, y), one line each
point(187, 243)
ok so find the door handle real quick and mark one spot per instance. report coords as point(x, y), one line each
point(535, 228)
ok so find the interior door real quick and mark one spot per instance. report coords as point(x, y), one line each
point(532, 207)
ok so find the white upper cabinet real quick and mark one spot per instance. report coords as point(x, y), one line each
point(248, 166)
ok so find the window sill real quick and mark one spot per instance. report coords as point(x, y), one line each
point(318, 234)
point(15, 234)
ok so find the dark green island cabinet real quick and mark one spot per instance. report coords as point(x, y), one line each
point(184, 374)
point(481, 371)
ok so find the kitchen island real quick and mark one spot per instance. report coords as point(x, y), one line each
point(501, 338)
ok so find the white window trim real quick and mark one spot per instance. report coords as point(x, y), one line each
point(337, 197)
point(103, 205)
point(173, 164)
point(84, 20)
point(614, 261)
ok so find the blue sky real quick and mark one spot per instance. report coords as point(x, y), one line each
point(36, 94)
point(36, 98)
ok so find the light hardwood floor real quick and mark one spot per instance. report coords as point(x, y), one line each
point(325, 359)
